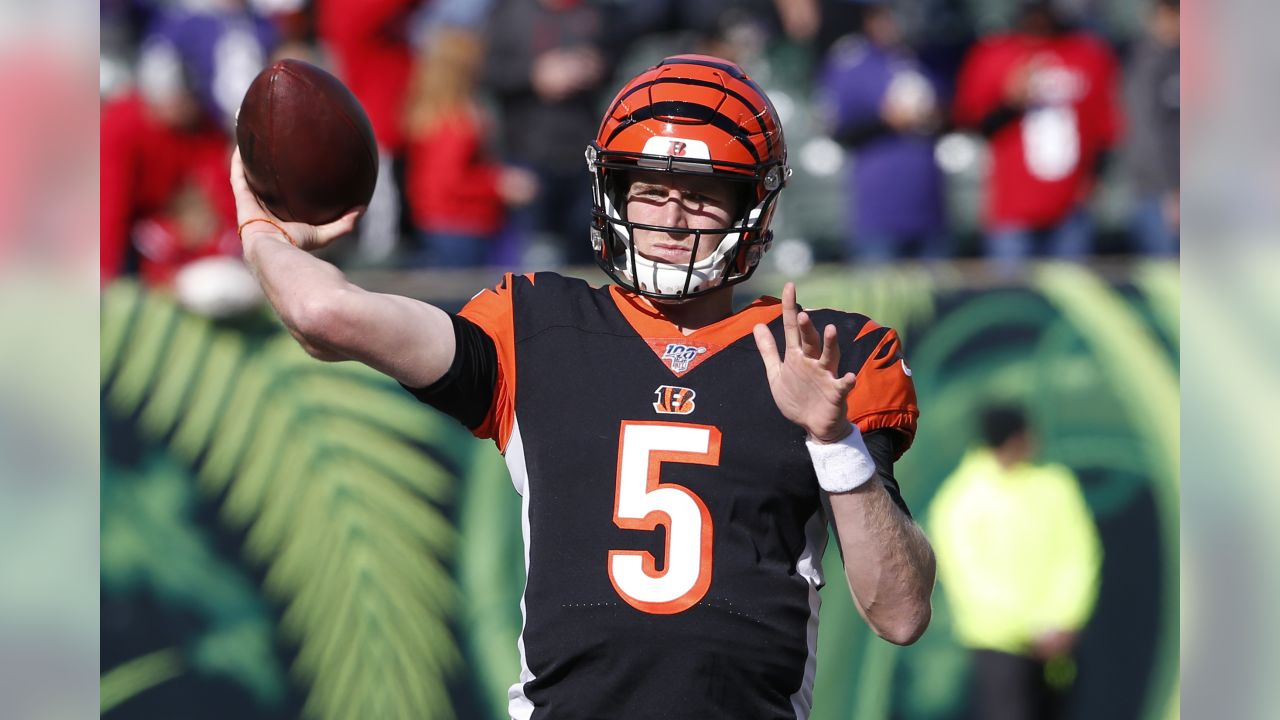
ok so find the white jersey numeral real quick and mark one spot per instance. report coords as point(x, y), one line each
point(642, 502)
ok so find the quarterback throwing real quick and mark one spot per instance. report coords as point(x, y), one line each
point(674, 518)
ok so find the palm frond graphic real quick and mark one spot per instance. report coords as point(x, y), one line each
point(137, 675)
point(318, 463)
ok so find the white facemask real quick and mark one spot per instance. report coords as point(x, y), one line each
point(669, 278)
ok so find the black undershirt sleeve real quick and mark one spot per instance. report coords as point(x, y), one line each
point(883, 446)
point(465, 391)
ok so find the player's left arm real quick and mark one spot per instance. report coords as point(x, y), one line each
point(887, 558)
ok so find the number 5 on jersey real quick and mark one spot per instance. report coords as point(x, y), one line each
point(642, 502)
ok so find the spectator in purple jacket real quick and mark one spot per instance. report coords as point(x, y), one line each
point(883, 108)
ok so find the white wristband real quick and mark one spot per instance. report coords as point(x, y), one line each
point(841, 466)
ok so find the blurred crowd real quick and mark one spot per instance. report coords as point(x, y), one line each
point(1061, 115)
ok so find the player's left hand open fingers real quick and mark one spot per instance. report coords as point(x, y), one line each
point(767, 347)
point(830, 358)
point(810, 343)
point(845, 384)
point(790, 332)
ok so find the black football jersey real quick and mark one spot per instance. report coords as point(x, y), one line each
point(672, 522)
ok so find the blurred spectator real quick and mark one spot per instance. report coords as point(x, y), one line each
point(937, 31)
point(165, 200)
point(1045, 96)
point(454, 188)
point(294, 23)
point(708, 27)
point(370, 43)
point(837, 18)
point(884, 109)
point(735, 33)
point(800, 19)
point(1018, 558)
point(546, 62)
point(1153, 103)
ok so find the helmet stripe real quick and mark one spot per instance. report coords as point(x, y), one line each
point(693, 111)
point(736, 72)
point(733, 70)
point(756, 112)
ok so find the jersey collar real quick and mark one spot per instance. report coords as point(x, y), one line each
point(700, 345)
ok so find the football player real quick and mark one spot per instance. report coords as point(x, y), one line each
point(675, 515)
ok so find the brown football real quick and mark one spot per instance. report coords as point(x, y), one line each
point(307, 146)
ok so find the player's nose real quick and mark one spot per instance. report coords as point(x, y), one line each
point(674, 212)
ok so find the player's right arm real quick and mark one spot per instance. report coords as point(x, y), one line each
point(331, 318)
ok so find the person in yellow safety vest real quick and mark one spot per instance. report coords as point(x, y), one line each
point(1018, 560)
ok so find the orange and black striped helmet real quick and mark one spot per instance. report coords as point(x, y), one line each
point(693, 115)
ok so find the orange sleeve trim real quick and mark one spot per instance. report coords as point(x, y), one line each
point(492, 310)
point(902, 419)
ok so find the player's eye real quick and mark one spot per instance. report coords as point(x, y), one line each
point(707, 200)
point(649, 193)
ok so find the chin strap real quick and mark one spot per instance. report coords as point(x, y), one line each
point(669, 279)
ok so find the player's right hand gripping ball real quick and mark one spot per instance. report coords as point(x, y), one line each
point(307, 145)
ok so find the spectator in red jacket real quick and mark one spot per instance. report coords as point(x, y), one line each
point(373, 56)
point(1046, 98)
point(454, 187)
point(545, 65)
point(166, 145)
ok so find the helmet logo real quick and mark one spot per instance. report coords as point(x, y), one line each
point(667, 146)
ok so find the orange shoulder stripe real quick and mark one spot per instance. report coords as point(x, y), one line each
point(491, 309)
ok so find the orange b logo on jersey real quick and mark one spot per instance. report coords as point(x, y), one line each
point(673, 400)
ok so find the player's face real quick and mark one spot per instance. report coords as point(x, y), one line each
point(678, 201)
